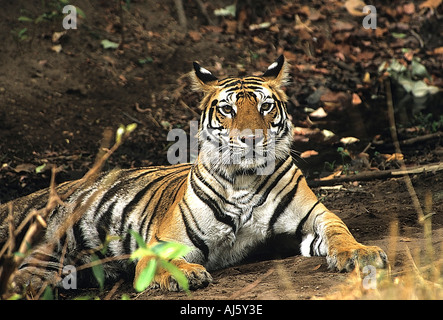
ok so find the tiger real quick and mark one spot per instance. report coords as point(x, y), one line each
point(243, 190)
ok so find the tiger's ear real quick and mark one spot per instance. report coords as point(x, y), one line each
point(277, 73)
point(202, 78)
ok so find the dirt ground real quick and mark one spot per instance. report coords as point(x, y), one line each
point(57, 95)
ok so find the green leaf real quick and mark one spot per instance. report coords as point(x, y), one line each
point(22, 34)
point(119, 134)
point(226, 11)
point(396, 66)
point(131, 127)
point(398, 35)
point(98, 272)
point(146, 276)
point(48, 294)
point(83, 298)
point(15, 296)
point(178, 275)
point(419, 70)
point(138, 238)
point(80, 12)
point(41, 168)
point(171, 250)
point(109, 44)
point(145, 60)
point(140, 253)
point(24, 19)
point(421, 89)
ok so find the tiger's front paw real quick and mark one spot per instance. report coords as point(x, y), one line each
point(348, 257)
point(196, 274)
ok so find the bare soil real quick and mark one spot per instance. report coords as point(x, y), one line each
point(54, 108)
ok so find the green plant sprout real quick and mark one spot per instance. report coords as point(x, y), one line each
point(161, 255)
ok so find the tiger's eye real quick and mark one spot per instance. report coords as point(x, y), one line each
point(266, 106)
point(227, 109)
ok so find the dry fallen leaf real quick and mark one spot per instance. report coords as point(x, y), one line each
point(367, 78)
point(409, 8)
point(304, 131)
point(319, 113)
point(316, 267)
point(355, 99)
point(327, 134)
point(355, 7)
point(438, 50)
point(349, 140)
point(332, 176)
point(308, 153)
point(57, 35)
point(57, 48)
point(431, 4)
point(24, 167)
point(195, 35)
point(392, 157)
point(339, 26)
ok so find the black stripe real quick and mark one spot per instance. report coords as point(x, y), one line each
point(311, 250)
point(104, 223)
point(210, 118)
point(174, 198)
point(248, 82)
point(185, 203)
point(42, 260)
point(284, 203)
point(118, 187)
point(262, 185)
point(274, 183)
point(200, 177)
point(229, 82)
point(146, 215)
point(213, 206)
point(127, 241)
point(80, 241)
point(254, 78)
point(140, 195)
point(298, 232)
point(195, 239)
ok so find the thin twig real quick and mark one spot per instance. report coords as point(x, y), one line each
point(103, 261)
point(113, 290)
point(372, 175)
point(205, 12)
point(251, 286)
point(181, 14)
point(393, 129)
point(11, 262)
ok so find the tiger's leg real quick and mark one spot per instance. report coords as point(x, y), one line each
point(196, 274)
point(39, 269)
point(326, 234)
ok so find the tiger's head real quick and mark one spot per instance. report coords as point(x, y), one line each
point(244, 124)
